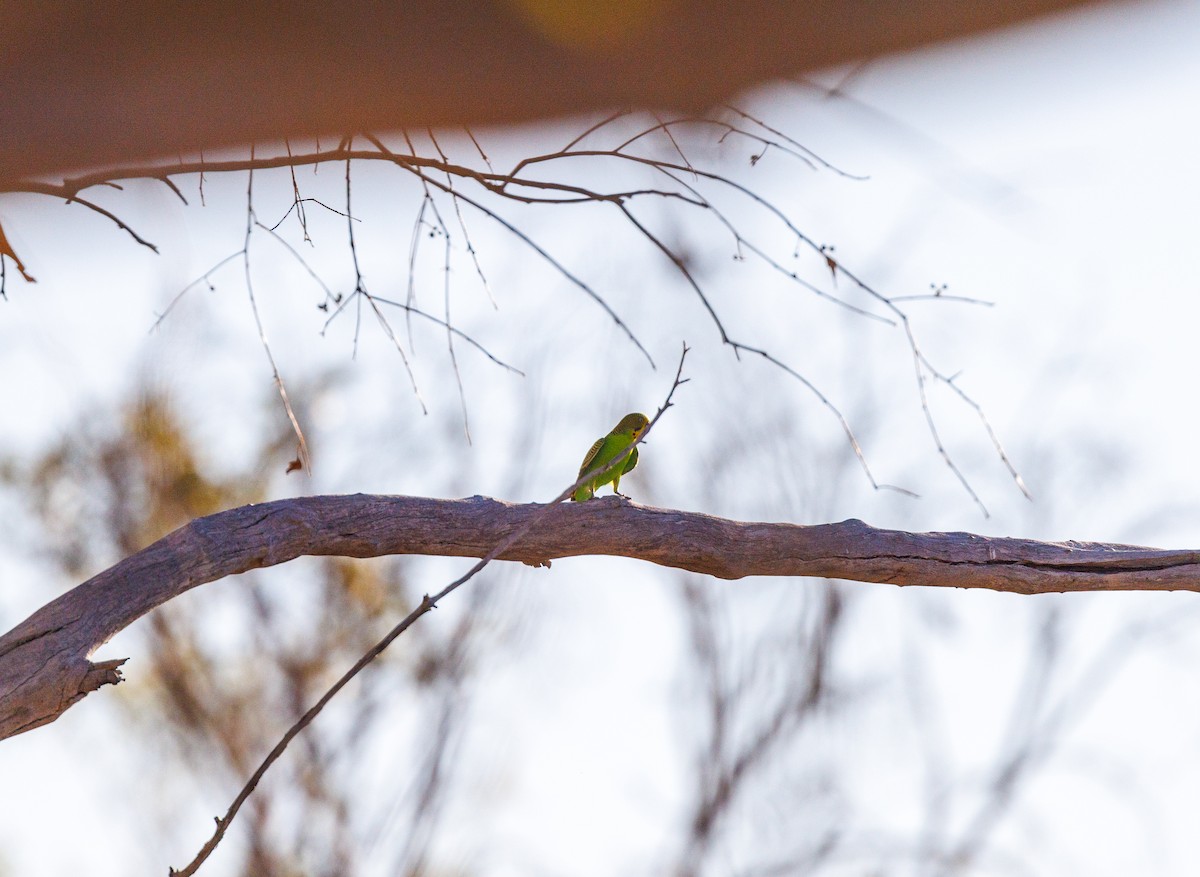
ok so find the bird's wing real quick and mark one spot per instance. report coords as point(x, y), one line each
point(591, 456)
point(630, 461)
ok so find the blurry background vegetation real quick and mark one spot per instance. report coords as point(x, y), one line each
point(600, 717)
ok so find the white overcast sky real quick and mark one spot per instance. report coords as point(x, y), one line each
point(1051, 170)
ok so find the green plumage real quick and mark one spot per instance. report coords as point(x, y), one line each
point(598, 464)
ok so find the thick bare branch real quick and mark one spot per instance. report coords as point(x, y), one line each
point(43, 661)
point(514, 536)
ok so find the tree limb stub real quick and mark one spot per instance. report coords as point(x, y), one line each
point(44, 666)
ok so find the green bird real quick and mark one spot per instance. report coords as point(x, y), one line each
point(597, 465)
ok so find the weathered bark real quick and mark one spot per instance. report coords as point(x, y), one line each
point(93, 84)
point(44, 665)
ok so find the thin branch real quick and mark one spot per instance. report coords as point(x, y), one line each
point(836, 267)
point(462, 393)
point(478, 148)
point(462, 224)
point(558, 266)
point(414, 247)
point(301, 442)
point(449, 328)
point(360, 292)
point(738, 347)
point(427, 603)
point(939, 296)
point(387, 328)
point(741, 242)
point(592, 129)
point(522, 186)
point(298, 205)
point(833, 409)
point(56, 191)
point(555, 263)
point(446, 270)
point(987, 425)
point(283, 242)
point(203, 278)
point(358, 279)
point(795, 144)
point(729, 130)
point(666, 129)
point(170, 184)
point(297, 201)
point(931, 423)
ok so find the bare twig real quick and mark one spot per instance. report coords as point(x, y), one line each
point(446, 259)
point(297, 201)
point(427, 603)
point(449, 328)
point(478, 147)
point(297, 205)
point(795, 144)
point(531, 181)
point(522, 236)
point(74, 198)
point(301, 442)
point(330, 296)
point(203, 278)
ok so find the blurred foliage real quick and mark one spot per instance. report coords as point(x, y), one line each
point(784, 693)
point(129, 485)
point(225, 670)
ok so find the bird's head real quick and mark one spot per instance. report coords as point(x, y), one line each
point(634, 424)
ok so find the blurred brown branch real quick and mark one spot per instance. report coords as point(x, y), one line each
point(223, 73)
point(43, 663)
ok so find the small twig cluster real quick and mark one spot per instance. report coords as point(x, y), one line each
point(552, 179)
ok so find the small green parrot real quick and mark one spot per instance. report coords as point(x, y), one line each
point(596, 464)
